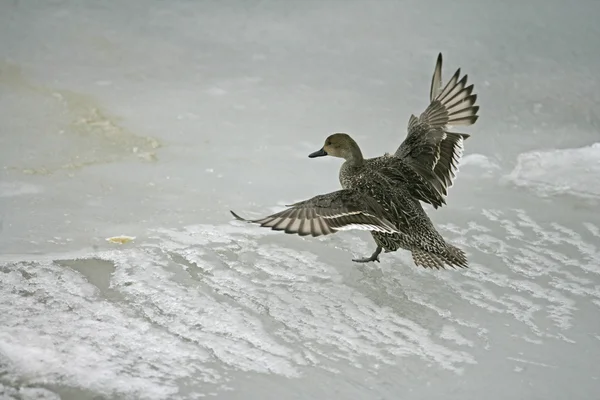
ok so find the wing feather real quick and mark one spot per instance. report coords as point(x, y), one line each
point(429, 148)
point(326, 214)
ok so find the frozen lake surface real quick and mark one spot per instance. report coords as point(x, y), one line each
point(153, 119)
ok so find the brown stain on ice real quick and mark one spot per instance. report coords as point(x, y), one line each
point(105, 139)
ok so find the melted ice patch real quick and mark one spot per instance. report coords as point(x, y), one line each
point(568, 171)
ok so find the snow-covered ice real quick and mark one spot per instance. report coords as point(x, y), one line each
point(565, 171)
point(151, 120)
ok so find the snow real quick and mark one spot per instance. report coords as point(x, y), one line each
point(566, 171)
point(152, 120)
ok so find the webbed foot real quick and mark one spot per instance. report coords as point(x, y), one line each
point(374, 257)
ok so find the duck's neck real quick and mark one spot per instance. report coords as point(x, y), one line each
point(354, 157)
point(349, 169)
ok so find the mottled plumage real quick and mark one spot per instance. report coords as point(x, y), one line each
point(383, 194)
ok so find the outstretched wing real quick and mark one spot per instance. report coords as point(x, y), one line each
point(429, 148)
point(326, 214)
point(415, 183)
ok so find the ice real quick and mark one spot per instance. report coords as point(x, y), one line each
point(478, 166)
point(11, 189)
point(267, 307)
point(70, 338)
point(153, 119)
point(567, 171)
point(478, 161)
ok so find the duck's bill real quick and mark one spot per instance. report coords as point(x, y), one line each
point(318, 153)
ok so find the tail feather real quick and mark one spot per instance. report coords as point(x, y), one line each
point(453, 257)
point(456, 257)
point(426, 259)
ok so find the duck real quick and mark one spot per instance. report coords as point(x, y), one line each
point(384, 195)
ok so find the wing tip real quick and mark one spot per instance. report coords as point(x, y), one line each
point(436, 79)
point(237, 216)
point(438, 62)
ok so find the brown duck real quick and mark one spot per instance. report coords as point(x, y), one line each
point(383, 194)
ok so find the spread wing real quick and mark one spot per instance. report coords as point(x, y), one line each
point(432, 151)
point(402, 173)
point(326, 214)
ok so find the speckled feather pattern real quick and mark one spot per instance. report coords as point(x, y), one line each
point(383, 194)
point(382, 179)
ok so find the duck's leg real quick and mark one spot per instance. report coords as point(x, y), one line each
point(374, 256)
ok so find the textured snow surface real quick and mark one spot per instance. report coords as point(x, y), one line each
point(565, 171)
point(190, 306)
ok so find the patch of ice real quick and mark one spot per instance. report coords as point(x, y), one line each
point(190, 305)
point(303, 296)
point(197, 303)
point(202, 317)
point(529, 362)
point(449, 332)
point(74, 337)
point(567, 171)
point(13, 189)
point(26, 393)
point(216, 91)
point(479, 161)
point(478, 165)
point(525, 265)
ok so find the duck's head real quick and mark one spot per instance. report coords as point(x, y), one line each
point(338, 145)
